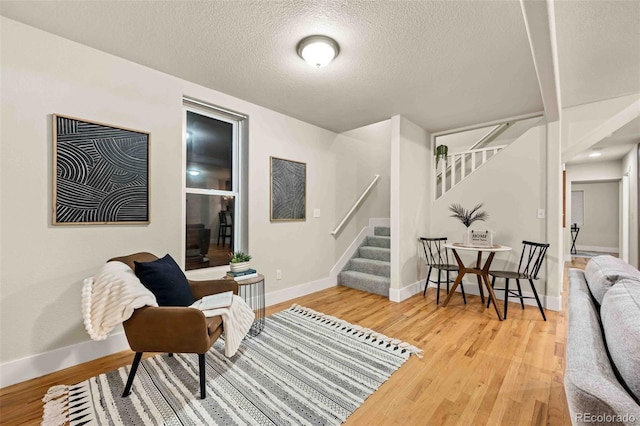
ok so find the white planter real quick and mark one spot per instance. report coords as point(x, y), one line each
point(466, 237)
point(239, 267)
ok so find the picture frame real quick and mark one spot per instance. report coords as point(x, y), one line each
point(100, 173)
point(287, 190)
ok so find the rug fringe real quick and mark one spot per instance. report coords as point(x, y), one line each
point(56, 406)
point(360, 331)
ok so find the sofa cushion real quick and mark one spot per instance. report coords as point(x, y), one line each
point(590, 382)
point(620, 315)
point(166, 281)
point(602, 272)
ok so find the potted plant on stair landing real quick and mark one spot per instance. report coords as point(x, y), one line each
point(467, 217)
point(239, 261)
point(442, 151)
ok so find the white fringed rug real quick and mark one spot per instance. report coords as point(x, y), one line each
point(305, 368)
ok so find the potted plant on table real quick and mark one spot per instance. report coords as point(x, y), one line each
point(467, 217)
point(239, 261)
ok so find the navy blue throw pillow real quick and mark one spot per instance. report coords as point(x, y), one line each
point(165, 279)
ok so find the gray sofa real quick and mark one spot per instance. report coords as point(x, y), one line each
point(602, 372)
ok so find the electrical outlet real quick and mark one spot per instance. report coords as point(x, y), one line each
point(278, 274)
point(316, 212)
point(540, 213)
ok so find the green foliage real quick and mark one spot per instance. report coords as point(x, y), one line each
point(441, 153)
point(467, 217)
point(239, 256)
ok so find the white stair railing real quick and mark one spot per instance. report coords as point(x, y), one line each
point(356, 205)
point(460, 165)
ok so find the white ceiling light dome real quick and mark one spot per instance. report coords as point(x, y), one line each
point(318, 50)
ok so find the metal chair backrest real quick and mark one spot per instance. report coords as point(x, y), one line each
point(531, 258)
point(225, 218)
point(434, 251)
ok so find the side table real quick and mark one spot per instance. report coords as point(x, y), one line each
point(575, 230)
point(252, 291)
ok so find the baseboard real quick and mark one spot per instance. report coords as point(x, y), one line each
point(551, 303)
point(400, 294)
point(30, 367)
point(275, 297)
point(350, 251)
point(599, 249)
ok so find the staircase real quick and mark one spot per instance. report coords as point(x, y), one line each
point(370, 268)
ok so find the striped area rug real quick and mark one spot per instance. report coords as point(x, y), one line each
point(305, 368)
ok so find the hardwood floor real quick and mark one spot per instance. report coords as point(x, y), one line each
point(476, 370)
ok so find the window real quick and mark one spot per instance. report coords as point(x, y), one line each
point(215, 184)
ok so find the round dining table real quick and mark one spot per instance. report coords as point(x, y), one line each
point(480, 270)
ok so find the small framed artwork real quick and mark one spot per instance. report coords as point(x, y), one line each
point(288, 190)
point(100, 173)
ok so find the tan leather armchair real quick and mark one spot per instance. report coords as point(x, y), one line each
point(173, 329)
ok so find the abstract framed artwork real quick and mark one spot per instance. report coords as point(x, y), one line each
point(100, 173)
point(288, 190)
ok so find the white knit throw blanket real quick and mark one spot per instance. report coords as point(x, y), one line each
point(236, 322)
point(110, 297)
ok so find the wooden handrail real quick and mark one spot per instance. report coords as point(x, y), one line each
point(356, 205)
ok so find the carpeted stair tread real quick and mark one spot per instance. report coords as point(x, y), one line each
point(371, 266)
point(379, 241)
point(365, 282)
point(375, 253)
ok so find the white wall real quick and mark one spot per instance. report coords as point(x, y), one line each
point(601, 216)
point(512, 187)
point(580, 121)
point(597, 171)
point(360, 154)
point(462, 141)
point(410, 191)
point(631, 167)
point(594, 171)
point(42, 266)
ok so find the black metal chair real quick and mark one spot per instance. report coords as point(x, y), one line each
point(530, 261)
point(438, 257)
point(226, 224)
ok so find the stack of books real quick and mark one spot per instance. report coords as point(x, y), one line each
point(244, 275)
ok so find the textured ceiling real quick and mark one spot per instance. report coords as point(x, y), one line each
point(598, 49)
point(441, 64)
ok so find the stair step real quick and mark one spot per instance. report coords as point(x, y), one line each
point(375, 253)
point(383, 231)
point(370, 266)
point(379, 241)
point(365, 282)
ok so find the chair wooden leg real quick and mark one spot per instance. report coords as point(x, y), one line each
point(426, 283)
point(170, 354)
point(520, 293)
point(203, 393)
point(132, 374)
point(438, 294)
point(506, 297)
point(535, 293)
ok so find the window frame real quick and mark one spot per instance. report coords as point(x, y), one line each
point(239, 177)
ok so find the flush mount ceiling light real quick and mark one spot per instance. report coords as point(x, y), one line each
point(318, 50)
point(595, 152)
